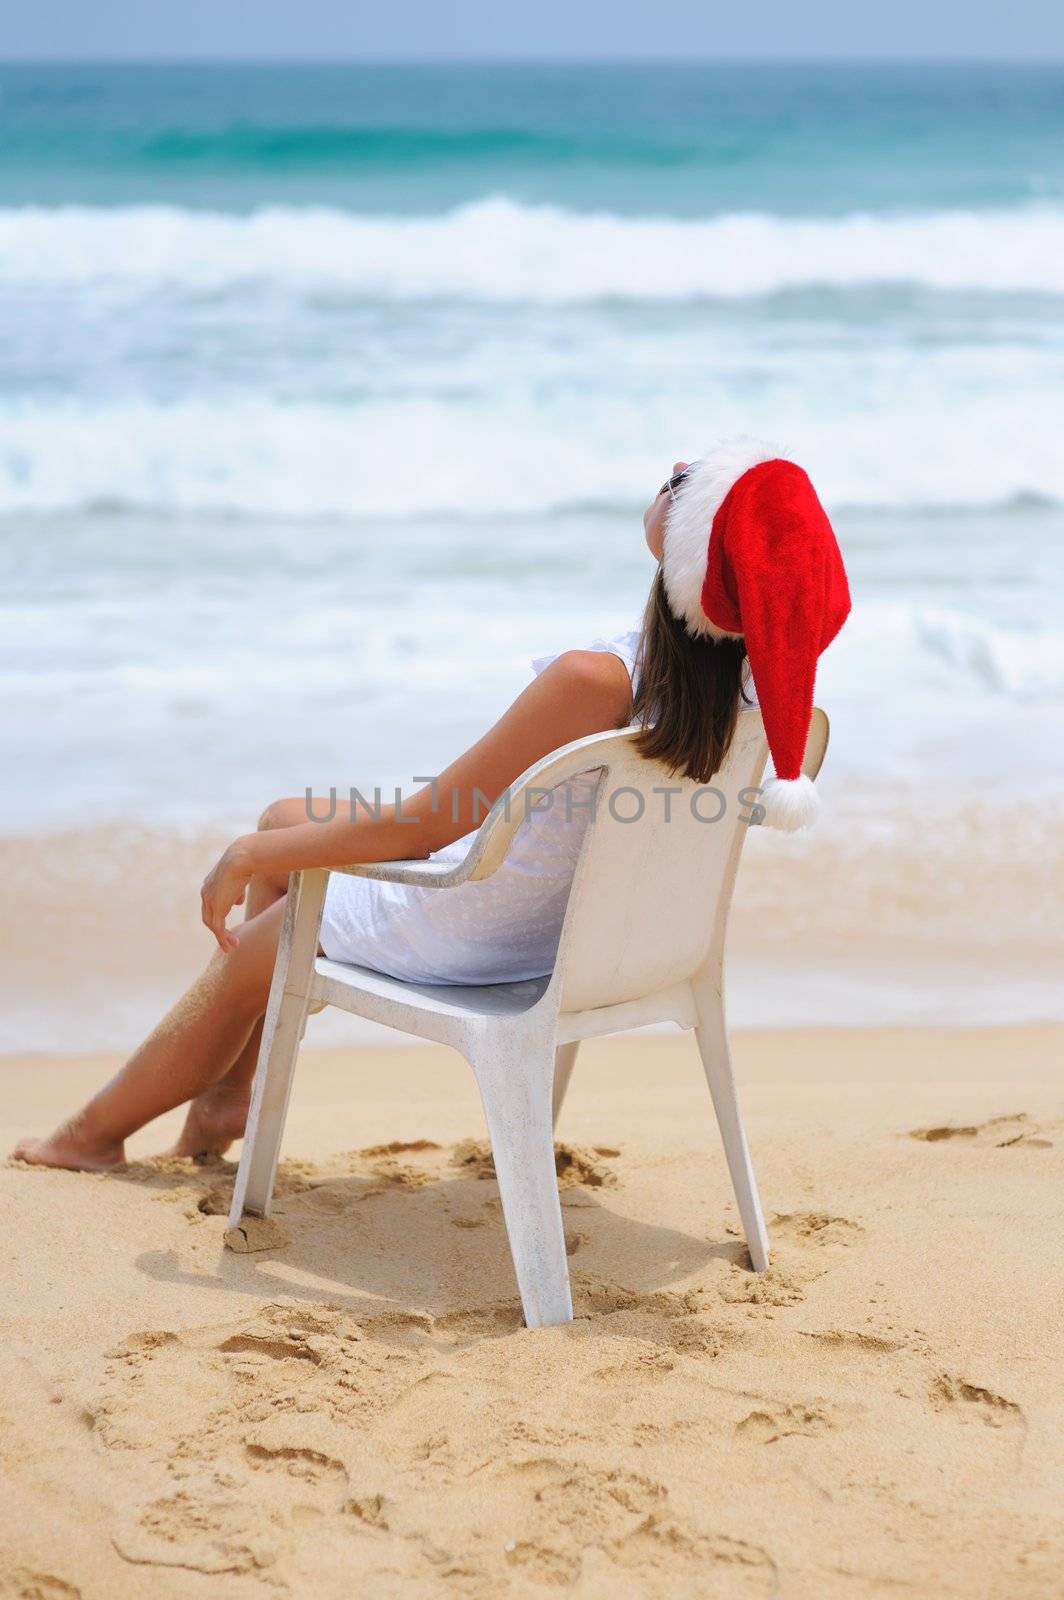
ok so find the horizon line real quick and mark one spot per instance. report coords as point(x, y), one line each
point(635, 59)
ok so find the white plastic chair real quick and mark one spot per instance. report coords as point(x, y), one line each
point(642, 942)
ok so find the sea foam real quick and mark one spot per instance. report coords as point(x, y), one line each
point(498, 250)
point(522, 454)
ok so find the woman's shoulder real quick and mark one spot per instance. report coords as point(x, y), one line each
point(594, 678)
point(625, 646)
point(600, 673)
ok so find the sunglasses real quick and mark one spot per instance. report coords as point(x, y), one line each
point(672, 484)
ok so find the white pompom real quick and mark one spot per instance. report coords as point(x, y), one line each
point(789, 803)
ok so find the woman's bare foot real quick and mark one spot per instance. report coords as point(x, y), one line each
point(215, 1118)
point(72, 1147)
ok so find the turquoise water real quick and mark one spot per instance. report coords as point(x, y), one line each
point(303, 370)
point(686, 140)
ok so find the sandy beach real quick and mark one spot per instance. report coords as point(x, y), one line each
point(880, 1413)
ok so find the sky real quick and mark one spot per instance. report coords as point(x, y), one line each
point(550, 29)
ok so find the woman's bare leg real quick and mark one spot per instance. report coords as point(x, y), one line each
point(218, 1115)
point(195, 1045)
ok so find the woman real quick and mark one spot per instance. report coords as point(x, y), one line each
point(745, 556)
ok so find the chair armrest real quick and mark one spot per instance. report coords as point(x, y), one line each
point(419, 870)
point(816, 745)
point(490, 844)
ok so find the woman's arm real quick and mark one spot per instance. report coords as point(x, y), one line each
point(583, 692)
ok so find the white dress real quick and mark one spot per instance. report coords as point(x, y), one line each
point(499, 930)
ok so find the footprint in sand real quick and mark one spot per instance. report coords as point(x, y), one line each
point(574, 1508)
point(628, 1518)
point(603, 1298)
point(481, 1322)
point(775, 1287)
point(969, 1402)
point(734, 1567)
point(771, 1423)
point(1003, 1133)
point(23, 1583)
point(302, 1446)
point(293, 1348)
point(819, 1228)
point(543, 1564)
point(795, 1234)
point(398, 1147)
point(273, 1408)
point(575, 1167)
point(142, 1343)
point(367, 1509)
point(390, 1172)
point(326, 1200)
point(677, 1322)
point(209, 1533)
point(861, 1341)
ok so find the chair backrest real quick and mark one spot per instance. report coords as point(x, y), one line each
point(651, 893)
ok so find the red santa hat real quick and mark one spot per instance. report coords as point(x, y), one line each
point(750, 554)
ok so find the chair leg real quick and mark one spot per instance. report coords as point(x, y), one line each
point(286, 1018)
point(564, 1062)
point(712, 1036)
point(515, 1088)
point(253, 1190)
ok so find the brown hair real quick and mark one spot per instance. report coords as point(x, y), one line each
point(688, 692)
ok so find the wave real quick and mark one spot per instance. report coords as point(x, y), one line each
point(936, 651)
point(317, 147)
point(497, 250)
point(1021, 665)
point(493, 455)
point(901, 656)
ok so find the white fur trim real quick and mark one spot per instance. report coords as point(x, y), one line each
point(789, 803)
point(690, 518)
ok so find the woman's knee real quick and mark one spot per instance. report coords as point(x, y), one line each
point(288, 813)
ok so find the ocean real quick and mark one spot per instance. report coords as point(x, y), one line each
point(331, 395)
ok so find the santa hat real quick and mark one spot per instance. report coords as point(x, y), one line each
point(750, 554)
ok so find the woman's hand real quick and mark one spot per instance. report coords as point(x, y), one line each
point(223, 888)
